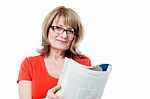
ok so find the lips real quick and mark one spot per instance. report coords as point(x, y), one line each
point(63, 41)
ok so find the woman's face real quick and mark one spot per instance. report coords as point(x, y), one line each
point(58, 38)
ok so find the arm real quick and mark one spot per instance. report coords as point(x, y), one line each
point(24, 89)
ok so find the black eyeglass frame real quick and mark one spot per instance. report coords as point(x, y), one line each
point(66, 30)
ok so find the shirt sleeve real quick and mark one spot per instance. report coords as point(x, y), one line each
point(25, 71)
point(84, 61)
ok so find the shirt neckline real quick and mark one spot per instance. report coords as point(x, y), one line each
point(49, 75)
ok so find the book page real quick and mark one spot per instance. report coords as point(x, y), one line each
point(78, 82)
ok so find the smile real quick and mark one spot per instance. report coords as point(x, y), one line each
point(62, 41)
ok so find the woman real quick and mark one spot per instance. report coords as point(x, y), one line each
point(62, 32)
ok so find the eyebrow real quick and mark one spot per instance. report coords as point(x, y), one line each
point(66, 28)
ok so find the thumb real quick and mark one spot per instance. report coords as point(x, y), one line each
point(54, 89)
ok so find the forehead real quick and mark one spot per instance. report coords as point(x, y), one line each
point(64, 21)
point(59, 21)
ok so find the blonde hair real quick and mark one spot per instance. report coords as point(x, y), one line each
point(72, 19)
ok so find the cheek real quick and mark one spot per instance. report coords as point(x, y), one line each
point(70, 42)
point(51, 37)
point(71, 39)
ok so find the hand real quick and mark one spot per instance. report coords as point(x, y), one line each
point(51, 93)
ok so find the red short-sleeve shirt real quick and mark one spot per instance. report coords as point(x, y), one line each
point(34, 69)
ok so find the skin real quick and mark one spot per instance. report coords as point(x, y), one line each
point(59, 44)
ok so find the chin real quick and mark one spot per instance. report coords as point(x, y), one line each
point(63, 48)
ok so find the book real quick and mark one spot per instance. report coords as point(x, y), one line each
point(83, 82)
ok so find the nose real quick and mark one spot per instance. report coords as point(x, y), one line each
point(64, 34)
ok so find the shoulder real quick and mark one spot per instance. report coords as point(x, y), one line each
point(29, 67)
point(31, 63)
point(33, 59)
point(84, 60)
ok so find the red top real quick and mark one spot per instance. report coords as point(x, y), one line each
point(34, 69)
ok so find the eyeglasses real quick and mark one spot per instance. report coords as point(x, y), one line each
point(60, 30)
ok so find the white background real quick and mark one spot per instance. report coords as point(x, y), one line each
point(117, 32)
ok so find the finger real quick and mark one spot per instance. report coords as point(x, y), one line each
point(54, 89)
point(52, 96)
point(51, 93)
point(61, 97)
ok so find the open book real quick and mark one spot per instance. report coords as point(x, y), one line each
point(82, 82)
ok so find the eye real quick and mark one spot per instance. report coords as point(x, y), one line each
point(70, 31)
point(58, 28)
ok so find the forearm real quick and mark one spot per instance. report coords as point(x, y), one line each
point(24, 90)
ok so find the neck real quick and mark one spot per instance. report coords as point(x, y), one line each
point(56, 54)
